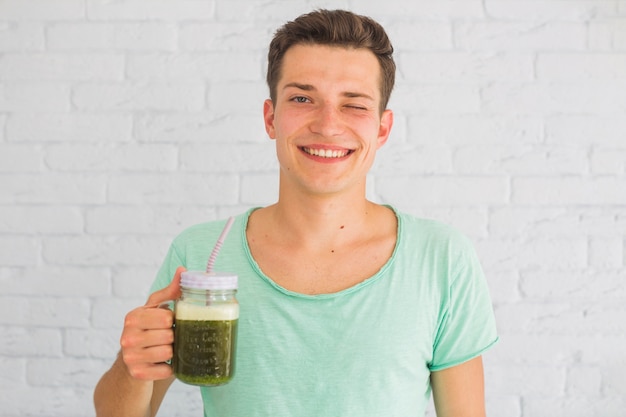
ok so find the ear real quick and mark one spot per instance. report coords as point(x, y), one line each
point(268, 118)
point(386, 122)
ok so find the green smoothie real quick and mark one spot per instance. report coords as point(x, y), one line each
point(205, 342)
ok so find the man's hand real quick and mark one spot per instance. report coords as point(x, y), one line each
point(147, 337)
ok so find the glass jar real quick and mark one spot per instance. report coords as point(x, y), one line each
point(205, 328)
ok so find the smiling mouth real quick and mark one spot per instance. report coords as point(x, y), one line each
point(327, 153)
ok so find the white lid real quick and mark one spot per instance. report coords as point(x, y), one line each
point(209, 281)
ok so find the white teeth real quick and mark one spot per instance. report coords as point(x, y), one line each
point(326, 153)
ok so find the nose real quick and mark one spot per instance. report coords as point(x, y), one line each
point(327, 121)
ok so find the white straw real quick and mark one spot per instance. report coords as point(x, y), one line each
point(218, 245)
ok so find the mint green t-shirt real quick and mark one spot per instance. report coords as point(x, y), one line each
point(364, 351)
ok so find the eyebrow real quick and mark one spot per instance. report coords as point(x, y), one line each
point(309, 87)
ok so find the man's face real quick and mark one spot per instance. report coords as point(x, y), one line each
point(326, 119)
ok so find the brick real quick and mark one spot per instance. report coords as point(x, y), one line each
point(584, 381)
point(435, 10)
point(465, 67)
point(34, 220)
point(17, 342)
point(521, 159)
point(150, 10)
point(112, 36)
point(531, 223)
point(19, 251)
point(503, 285)
point(109, 313)
point(42, 9)
point(133, 281)
point(606, 253)
point(173, 127)
point(525, 348)
point(50, 401)
point(145, 220)
point(236, 158)
point(605, 129)
point(45, 312)
point(34, 97)
point(550, 253)
point(174, 189)
point(601, 97)
point(575, 406)
point(443, 190)
point(90, 343)
point(608, 34)
point(564, 318)
point(613, 378)
point(402, 159)
point(502, 405)
point(574, 67)
point(20, 159)
point(442, 98)
point(3, 122)
point(576, 11)
point(603, 222)
point(103, 251)
point(13, 375)
point(71, 127)
point(569, 190)
point(472, 221)
point(21, 36)
point(79, 372)
point(425, 36)
point(57, 67)
point(468, 129)
point(573, 284)
point(224, 36)
point(53, 189)
point(61, 281)
point(225, 98)
point(259, 189)
point(608, 161)
point(244, 66)
point(200, 126)
point(527, 380)
point(271, 13)
point(140, 96)
point(127, 157)
point(520, 36)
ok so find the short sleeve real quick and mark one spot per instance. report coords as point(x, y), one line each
point(467, 326)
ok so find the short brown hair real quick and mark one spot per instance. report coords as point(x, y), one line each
point(333, 28)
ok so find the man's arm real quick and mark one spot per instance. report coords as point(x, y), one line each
point(139, 378)
point(120, 394)
point(459, 391)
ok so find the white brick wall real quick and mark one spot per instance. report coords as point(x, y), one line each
point(123, 122)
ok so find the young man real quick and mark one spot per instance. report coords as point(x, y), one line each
point(348, 308)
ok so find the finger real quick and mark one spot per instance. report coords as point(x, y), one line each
point(148, 356)
point(151, 372)
point(148, 318)
point(136, 340)
point(171, 292)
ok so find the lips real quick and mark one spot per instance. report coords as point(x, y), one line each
point(327, 153)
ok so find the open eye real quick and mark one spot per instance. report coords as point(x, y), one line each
point(300, 99)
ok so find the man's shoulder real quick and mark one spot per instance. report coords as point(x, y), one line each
point(423, 227)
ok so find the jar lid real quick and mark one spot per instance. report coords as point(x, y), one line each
point(209, 281)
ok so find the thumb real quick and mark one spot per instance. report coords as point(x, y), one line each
point(169, 293)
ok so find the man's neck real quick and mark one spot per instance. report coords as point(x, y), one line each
point(318, 221)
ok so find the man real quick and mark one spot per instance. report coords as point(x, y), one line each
point(348, 308)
